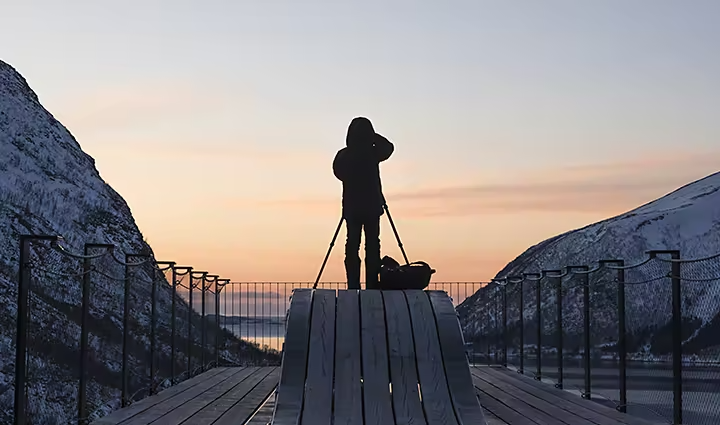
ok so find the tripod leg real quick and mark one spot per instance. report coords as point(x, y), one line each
point(397, 236)
point(332, 243)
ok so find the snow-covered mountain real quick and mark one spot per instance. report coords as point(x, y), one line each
point(48, 185)
point(687, 220)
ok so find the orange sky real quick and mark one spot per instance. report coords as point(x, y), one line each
point(466, 231)
point(218, 121)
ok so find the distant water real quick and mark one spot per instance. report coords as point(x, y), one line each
point(265, 331)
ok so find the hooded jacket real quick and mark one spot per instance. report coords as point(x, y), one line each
point(357, 166)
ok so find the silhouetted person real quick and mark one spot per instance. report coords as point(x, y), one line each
point(358, 167)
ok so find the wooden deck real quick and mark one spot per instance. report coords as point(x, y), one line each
point(246, 396)
point(509, 398)
point(220, 396)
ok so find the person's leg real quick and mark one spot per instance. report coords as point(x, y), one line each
point(372, 252)
point(352, 257)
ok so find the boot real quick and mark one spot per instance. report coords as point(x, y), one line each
point(372, 272)
point(352, 271)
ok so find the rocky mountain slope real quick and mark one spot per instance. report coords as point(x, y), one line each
point(687, 220)
point(48, 185)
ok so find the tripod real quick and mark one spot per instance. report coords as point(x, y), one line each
point(332, 243)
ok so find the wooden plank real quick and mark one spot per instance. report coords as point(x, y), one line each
point(294, 362)
point(401, 351)
point(431, 373)
point(137, 407)
point(209, 413)
point(457, 369)
point(168, 405)
point(490, 418)
point(246, 406)
point(348, 407)
point(376, 380)
point(500, 409)
point(561, 397)
point(317, 407)
point(189, 408)
point(542, 399)
point(264, 415)
point(532, 409)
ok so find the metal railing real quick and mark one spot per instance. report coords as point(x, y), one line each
point(643, 338)
point(255, 311)
point(99, 329)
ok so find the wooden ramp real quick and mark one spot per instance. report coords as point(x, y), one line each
point(374, 357)
point(220, 396)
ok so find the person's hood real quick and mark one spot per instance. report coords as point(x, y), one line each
point(360, 133)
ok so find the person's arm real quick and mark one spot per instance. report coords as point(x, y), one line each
point(340, 167)
point(383, 148)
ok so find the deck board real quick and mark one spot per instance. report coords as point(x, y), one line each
point(244, 408)
point(403, 370)
point(376, 377)
point(467, 409)
point(321, 360)
point(517, 399)
point(431, 374)
point(220, 395)
point(289, 400)
point(348, 405)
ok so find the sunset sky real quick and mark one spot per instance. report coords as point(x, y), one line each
point(513, 121)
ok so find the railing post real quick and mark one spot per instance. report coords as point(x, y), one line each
point(519, 280)
point(203, 329)
point(172, 326)
point(124, 387)
point(622, 337)
point(677, 337)
point(190, 315)
point(487, 322)
point(202, 324)
point(152, 332)
point(557, 275)
point(219, 332)
point(497, 323)
point(153, 319)
point(85, 310)
point(522, 324)
point(126, 334)
point(676, 282)
point(189, 332)
point(538, 315)
point(24, 272)
point(586, 326)
point(505, 325)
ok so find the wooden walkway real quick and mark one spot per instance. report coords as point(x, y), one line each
point(245, 396)
point(509, 398)
point(220, 396)
point(368, 358)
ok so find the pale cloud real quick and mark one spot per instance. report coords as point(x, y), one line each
point(597, 188)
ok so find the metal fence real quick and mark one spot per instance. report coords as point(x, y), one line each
point(98, 329)
point(643, 338)
point(255, 311)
